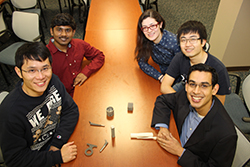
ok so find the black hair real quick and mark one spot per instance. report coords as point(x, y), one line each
point(32, 51)
point(206, 68)
point(63, 19)
point(193, 26)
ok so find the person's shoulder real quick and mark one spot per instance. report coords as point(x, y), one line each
point(55, 85)
point(14, 94)
point(177, 98)
point(169, 33)
point(176, 62)
point(215, 62)
point(52, 48)
point(214, 58)
point(180, 56)
point(50, 44)
point(222, 115)
point(78, 41)
point(12, 100)
point(220, 109)
point(55, 80)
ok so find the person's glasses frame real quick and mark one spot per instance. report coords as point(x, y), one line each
point(203, 86)
point(192, 40)
point(151, 27)
point(35, 71)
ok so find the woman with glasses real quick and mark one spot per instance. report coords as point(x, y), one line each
point(154, 41)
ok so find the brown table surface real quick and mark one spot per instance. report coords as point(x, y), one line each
point(118, 82)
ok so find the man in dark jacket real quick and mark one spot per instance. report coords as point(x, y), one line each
point(207, 134)
point(38, 116)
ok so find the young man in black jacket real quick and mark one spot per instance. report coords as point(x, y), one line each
point(38, 116)
point(207, 133)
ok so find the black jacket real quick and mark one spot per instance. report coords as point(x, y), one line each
point(213, 143)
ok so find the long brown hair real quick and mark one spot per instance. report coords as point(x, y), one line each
point(143, 48)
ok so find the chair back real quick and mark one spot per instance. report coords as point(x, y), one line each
point(246, 91)
point(26, 25)
point(24, 4)
point(7, 37)
point(242, 153)
point(142, 1)
point(3, 94)
point(2, 23)
point(207, 47)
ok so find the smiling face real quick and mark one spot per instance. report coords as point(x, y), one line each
point(62, 35)
point(200, 97)
point(154, 35)
point(34, 84)
point(194, 48)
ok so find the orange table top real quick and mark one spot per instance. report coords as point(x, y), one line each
point(117, 83)
point(113, 14)
point(1, 1)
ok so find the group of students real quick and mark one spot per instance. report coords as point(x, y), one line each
point(194, 84)
point(39, 115)
point(175, 54)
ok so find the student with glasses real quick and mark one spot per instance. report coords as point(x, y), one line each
point(207, 133)
point(192, 37)
point(38, 116)
point(154, 41)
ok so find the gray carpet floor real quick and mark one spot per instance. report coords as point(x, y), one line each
point(176, 12)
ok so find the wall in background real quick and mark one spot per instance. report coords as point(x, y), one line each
point(230, 35)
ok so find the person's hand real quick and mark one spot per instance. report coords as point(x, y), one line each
point(68, 152)
point(163, 132)
point(169, 143)
point(80, 78)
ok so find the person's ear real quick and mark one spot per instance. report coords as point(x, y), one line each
point(215, 89)
point(186, 85)
point(74, 31)
point(18, 71)
point(161, 24)
point(203, 42)
point(51, 32)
